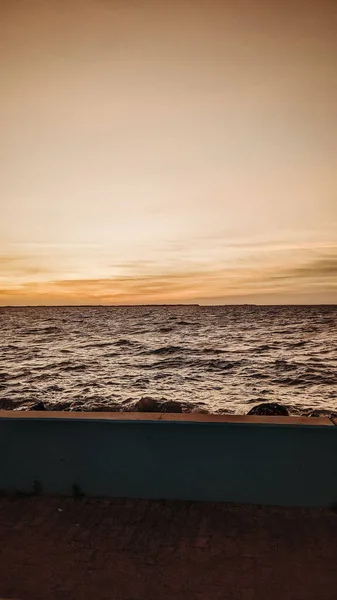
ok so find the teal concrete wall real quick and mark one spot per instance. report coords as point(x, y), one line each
point(210, 461)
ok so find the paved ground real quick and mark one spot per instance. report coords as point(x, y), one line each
point(140, 550)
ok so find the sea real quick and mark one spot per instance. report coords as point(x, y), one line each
point(223, 359)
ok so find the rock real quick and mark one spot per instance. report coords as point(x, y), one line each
point(171, 406)
point(147, 404)
point(7, 404)
point(199, 411)
point(108, 408)
point(321, 412)
point(38, 406)
point(314, 413)
point(269, 408)
point(59, 406)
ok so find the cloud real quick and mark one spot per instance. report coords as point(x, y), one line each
point(315, 269)
point(30, 279)
point(219, 285)
point(321, 267)
point(14, 267)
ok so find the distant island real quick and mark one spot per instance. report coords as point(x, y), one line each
point(143, 305)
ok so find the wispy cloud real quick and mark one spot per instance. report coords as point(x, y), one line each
point(316, 269)
point(218, 284)
point(17, 266)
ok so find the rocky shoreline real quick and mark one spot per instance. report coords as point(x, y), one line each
point(162, 405)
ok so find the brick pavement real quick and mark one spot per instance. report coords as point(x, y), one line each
point(100, 549)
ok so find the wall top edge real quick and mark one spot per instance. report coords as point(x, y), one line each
point(164, 417)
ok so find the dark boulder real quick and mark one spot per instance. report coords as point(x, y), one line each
point(199, 411)
point(269, 409)
point(147, 404)
point(7, 404)
point(114, 407)
point(314, 413)
point(38, 406)
point(59, 406)
point(171, 406)
point(321, 412)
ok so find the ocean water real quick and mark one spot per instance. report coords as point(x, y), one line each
point(223, 358)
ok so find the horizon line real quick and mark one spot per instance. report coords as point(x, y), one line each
point(163, 304)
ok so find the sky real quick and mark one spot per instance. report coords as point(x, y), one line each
point(168, 152)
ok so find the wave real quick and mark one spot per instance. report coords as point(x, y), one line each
point(99, 345)
point(125, 342)
point(10, 347)
point(212, 351)
point(265, 348)
point(218, 365)
point(166, 350)
point(73, 367)
point(167, 363)
point(290, 381)
point(223, 356)
point(51, 329)
point(41, 331)
point(284, 365)
point(62, 364)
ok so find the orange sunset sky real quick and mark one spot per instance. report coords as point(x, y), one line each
point(168, 151)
